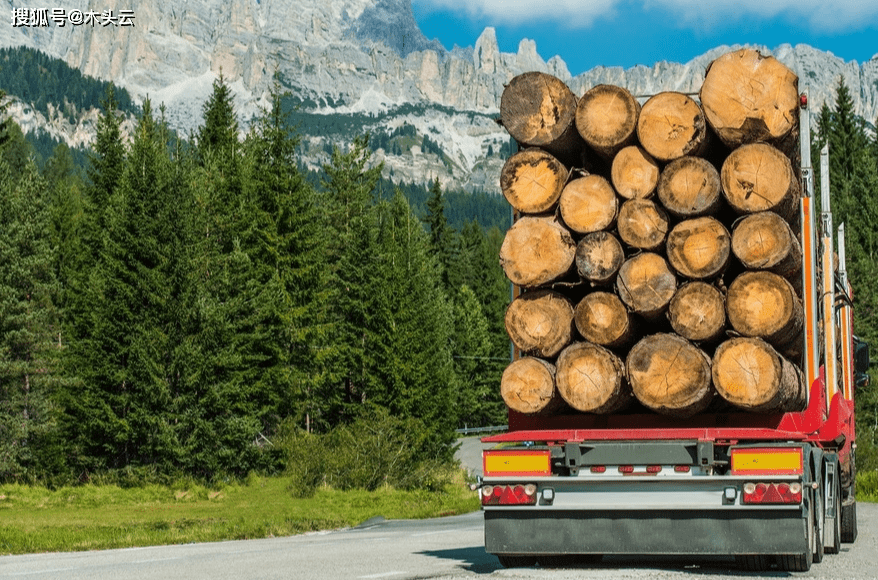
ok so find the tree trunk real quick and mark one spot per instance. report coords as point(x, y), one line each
point(606, 118)
point(591, 379)
point(642, 224)
point(699, 248)
point(528, 386)
point(536, 251)
point(540, 322)
point(672, 125)
point(690, 187)
point(599, 256)
point(670, 375)
point(646, 284)
point(532, 181)
point(748, 98)
point(588, 204)
point(759, 177)
point(750, 374)
point(539, 110)
point(764, 241)
point(635, 173)
point(601, 318)
point(698, 312)
point(765, 305)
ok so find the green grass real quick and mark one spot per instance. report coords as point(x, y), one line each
point(867, 486)
point(34, 519)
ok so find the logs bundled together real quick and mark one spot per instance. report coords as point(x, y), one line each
point(655, 244)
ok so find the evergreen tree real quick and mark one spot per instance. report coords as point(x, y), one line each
point(29, 371)
point(122, 413)
point(348, 204)
point(107, 160)
point(219, 133)
point(441, 234)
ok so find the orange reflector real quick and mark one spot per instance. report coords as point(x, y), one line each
point(512, 463)
point(763, 461)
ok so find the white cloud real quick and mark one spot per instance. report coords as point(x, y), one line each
point(571, 12)
point(828, 15)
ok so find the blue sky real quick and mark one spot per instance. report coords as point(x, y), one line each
point(588, 33)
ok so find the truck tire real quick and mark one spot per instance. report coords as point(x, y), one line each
point(510, 561)
point(802, 562)
point(849, 522)
point(819, 516)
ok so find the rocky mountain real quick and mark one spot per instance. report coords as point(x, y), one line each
point(357, 65)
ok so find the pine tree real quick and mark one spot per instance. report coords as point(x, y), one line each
point(441, 234)
point(29, 327)
point(219, 133)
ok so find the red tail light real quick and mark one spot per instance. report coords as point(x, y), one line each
point(626, 469)
point(598, 468)
point(509, 494)
point(682, 468)
point(772, 493)
point(653, 468)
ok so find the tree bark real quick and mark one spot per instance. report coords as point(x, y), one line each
point(537, 250)
point(748, 98)
point(646, 284)
point(690, 187)
point(599, 256)
point(540, 322)
point(764, 241)
point(601, 318)
point(528, 386)
point(642, 224)
point(635, 173)
point(672, 125)
point(759, 177)
point(606, 118)
point(765, 305)
point(699, 248)
point(591, 379)
point(588, 204)
point(670, 375)
point(751, 375)
point(539, 110)
point(698, 312)
point(532, 181)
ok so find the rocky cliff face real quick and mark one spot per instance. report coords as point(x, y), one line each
point(361, 57)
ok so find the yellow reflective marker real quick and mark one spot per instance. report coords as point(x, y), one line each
point(514, 463)
point(762, 461)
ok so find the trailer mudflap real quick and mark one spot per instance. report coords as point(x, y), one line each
point(721, 532)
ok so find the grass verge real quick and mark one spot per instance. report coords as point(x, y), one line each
point(35, 519)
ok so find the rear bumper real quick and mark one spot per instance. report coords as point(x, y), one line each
point(723, 532)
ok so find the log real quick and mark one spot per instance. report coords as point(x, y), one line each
point(540, 322)
point(699, 248)
point(528, 386)
point(536, 251)
point(764, 305)
point(599, 256)
point(646, 284)
point(690, 187)
point(759, 177)
point(588, 204)
point(670, 375)
point(672, 125)
point(764, 241)
point(591, 379)
point(539, 110)
point(642, 224)
point(697, 312)
point(751, 375)
point(532, 181)
point(749, 98)
point(634, 173)
point(601, 318)
point(606, 118)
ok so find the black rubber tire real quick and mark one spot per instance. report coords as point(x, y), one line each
point(849, 522)
point(753, 562)
point(509, 561)
point(558, 561)
point(802, 562)
point(818, 515)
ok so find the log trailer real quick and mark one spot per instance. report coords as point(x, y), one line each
point(768, 489)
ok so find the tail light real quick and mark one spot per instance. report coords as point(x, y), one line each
point(509, 494)
point(598, 469)
point(772, 493)
point(626, 469)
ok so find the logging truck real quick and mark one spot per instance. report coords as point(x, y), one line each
point(676, 388)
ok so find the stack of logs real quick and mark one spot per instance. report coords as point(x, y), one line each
point(655, 244)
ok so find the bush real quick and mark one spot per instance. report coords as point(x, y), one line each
point(375, 450)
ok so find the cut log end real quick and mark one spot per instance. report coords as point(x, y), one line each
point(635, 173)
point(646, 284)
point(759, 177)
point(697, 312)
point(537, 108)
point(599, 256)
point(591, 379)
point(602, 318)
point(528, 386)
point(672, 125)
point(699, 248)
point(540, 322)
point(532, 181)
point(765, 305)
point(751, 375)
point(764, 241)
point(536, 251)
point(588, 204)
point(642, 224)
point(606, 118)
point(690, 187)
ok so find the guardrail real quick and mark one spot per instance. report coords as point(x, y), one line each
point(468, 430)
